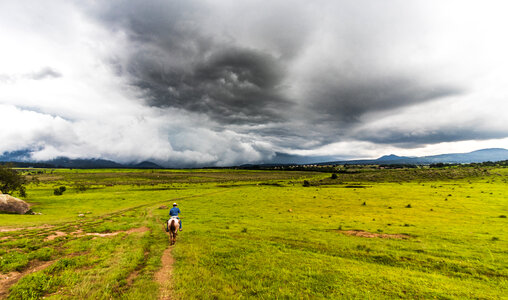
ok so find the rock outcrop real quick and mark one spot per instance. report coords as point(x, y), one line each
point(9, 204)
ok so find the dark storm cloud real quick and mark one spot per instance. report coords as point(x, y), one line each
point(165, 27)
point(232, 86)
point(235, 63)
point(177, 65)
point(180, 58)
point(405, 139)
point(346, 102)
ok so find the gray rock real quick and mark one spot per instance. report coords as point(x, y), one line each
point(9, 204)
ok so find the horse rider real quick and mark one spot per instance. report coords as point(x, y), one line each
point(174, 213)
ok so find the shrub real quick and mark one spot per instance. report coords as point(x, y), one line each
point(306, 183)
point(59, 191)
point(81, 187)
point(334, 176)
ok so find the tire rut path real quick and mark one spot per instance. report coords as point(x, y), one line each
point(165, 275)
point(8, 280)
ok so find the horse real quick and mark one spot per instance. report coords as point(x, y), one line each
point(173, 226)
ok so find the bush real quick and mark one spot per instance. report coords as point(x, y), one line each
point(306, 183)
point(81, 187)
point(334, 176)
point(59, 191)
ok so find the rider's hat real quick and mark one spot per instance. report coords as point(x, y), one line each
point(174, 204)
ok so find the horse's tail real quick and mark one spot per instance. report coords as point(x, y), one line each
point(172, 225)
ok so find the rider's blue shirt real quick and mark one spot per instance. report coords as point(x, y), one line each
point(174, 212)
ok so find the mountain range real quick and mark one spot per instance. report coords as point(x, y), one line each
point(483, 155)
point(478, 156)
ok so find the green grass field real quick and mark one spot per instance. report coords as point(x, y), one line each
point(374, 234)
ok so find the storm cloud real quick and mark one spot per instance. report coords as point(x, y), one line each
point(187, 55)
point(234, 86)
point(179, 63)
point(258, 78)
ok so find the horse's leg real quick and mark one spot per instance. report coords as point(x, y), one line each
point(172, 229)
point(172, 233)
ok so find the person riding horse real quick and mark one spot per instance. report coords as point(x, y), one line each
point(174, 213)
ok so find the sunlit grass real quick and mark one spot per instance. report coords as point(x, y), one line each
point(264, 235)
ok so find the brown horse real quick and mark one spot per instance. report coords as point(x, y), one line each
point(173, 225)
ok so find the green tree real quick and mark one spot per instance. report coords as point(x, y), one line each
point(11, 180)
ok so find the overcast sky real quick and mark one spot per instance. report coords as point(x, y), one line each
point(225, 82)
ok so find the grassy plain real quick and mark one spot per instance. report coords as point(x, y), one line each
point(431, 233)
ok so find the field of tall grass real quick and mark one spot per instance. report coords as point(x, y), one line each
point(422, 233)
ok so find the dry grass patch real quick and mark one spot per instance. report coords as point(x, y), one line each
point(366, 234)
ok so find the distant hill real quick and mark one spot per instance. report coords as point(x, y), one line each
point(64, 162)
point(145, 165)
point(493, 154)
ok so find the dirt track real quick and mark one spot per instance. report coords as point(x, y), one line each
point(164, 276)
point(7, 280)
point(80, 233)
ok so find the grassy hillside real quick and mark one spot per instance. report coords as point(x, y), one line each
point(261, 234)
